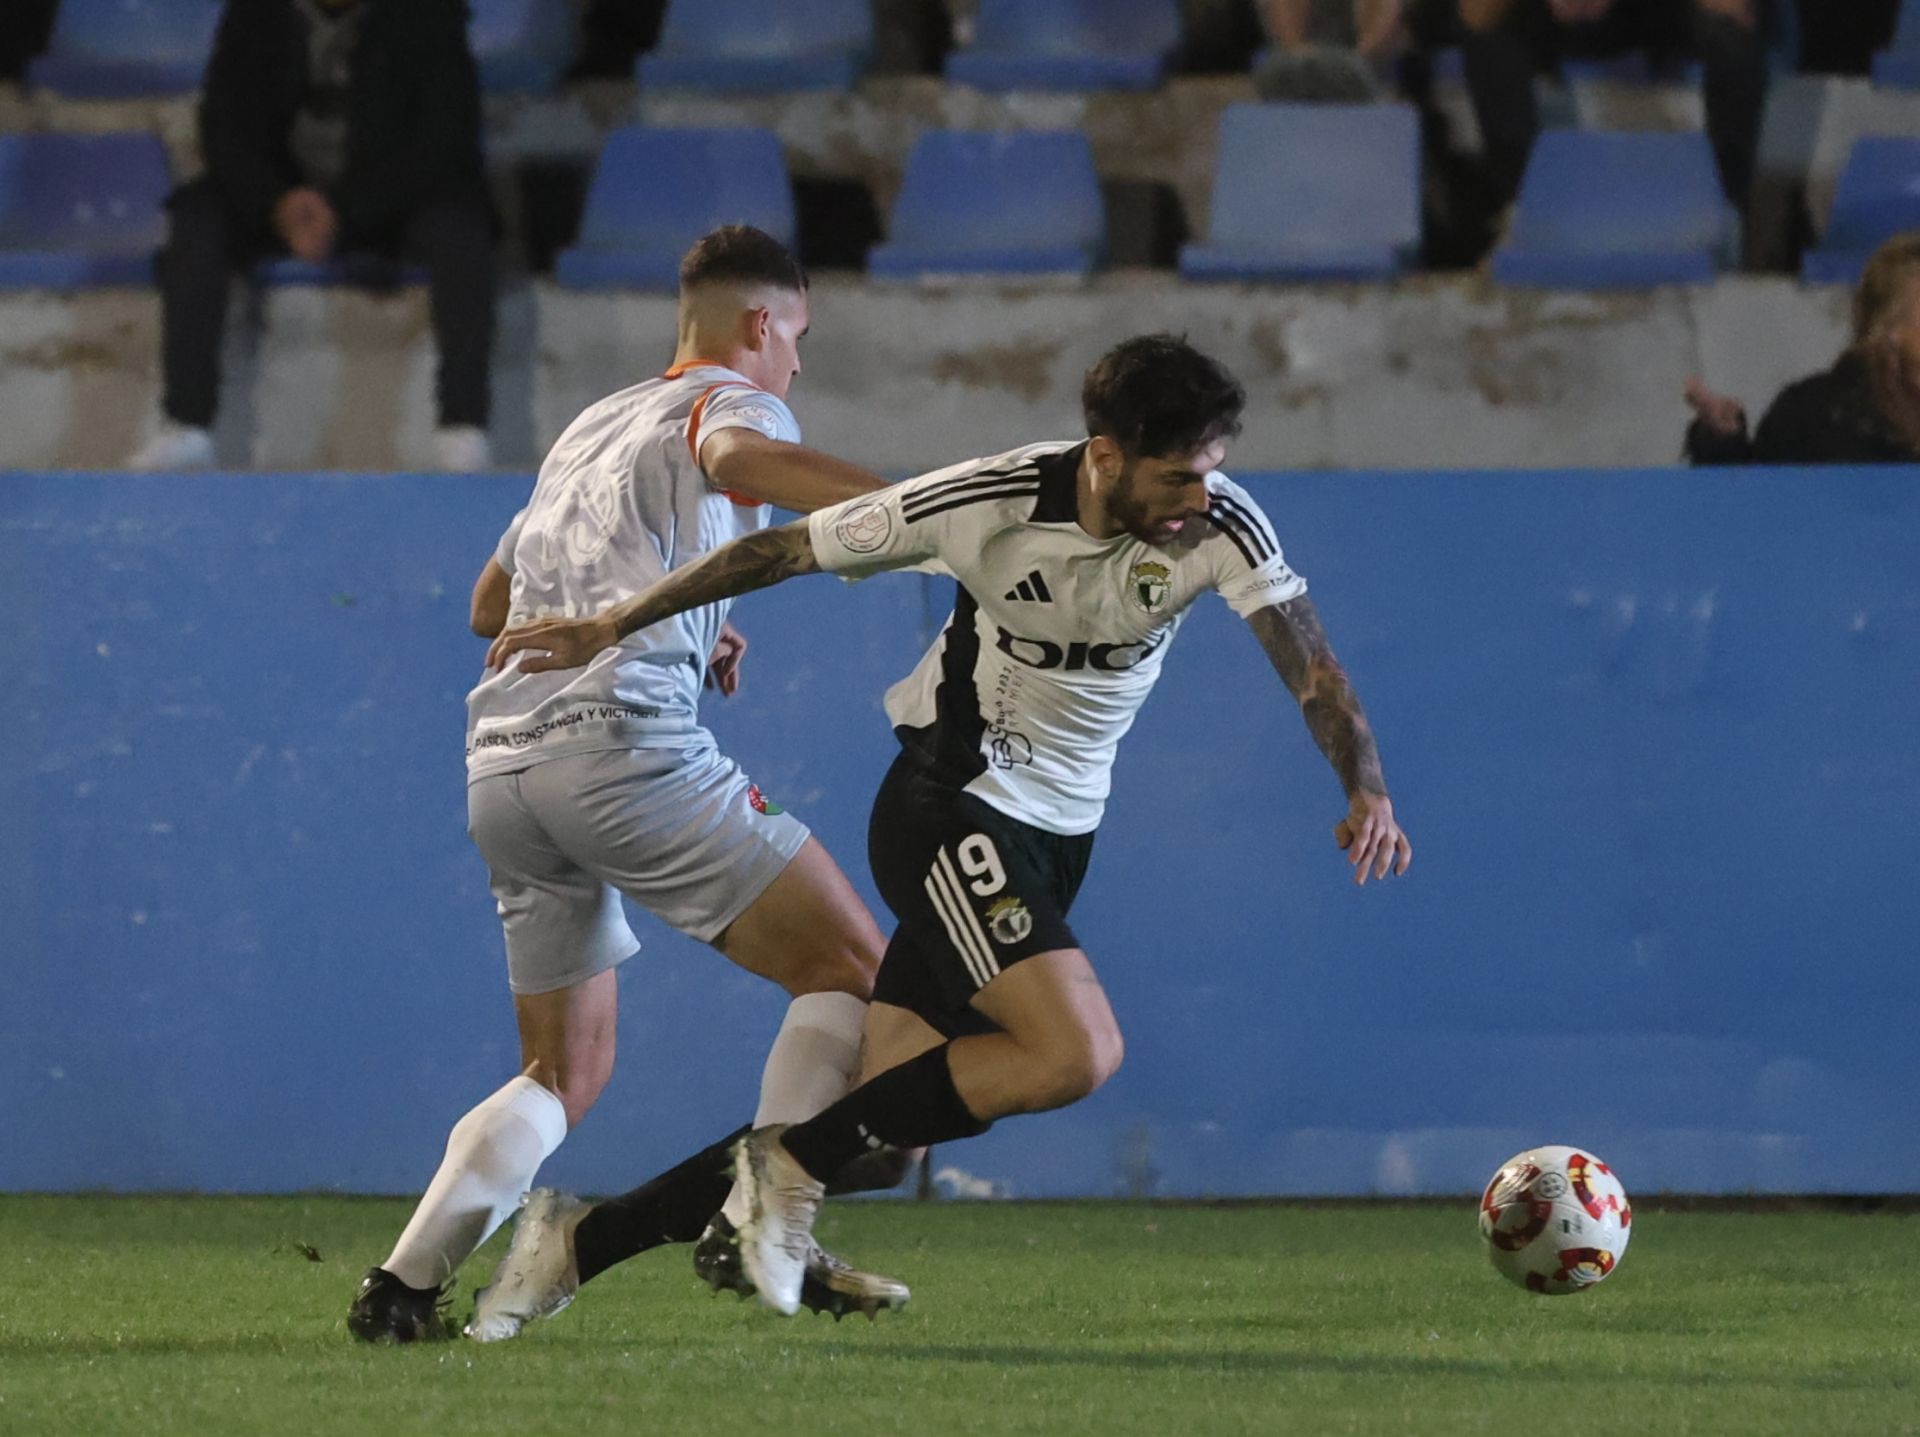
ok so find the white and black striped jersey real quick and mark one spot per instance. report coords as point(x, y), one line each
point(1056, 637)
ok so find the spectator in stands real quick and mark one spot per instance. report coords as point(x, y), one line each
point(1839, 38)
point(1330, 49)
point(333, 127)
point(1864, 410)
point(24, 28)
point(1504, 42)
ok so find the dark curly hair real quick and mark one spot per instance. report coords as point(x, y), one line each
point(1158, 397)
point(741, 254)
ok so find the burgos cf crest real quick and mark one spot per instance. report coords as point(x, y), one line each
point(1148, 585)
point(1009, 920)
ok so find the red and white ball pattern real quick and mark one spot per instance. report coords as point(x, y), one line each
point(1556, 1220)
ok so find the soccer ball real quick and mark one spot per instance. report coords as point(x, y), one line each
point(1555, 1219)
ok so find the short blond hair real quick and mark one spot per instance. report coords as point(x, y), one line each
point(1892, 267)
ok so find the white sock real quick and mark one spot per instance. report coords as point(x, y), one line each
point(814, 1062)
point(492, 1155)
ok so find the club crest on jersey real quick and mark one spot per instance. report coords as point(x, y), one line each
point(1148, 585)
point(1009, 920)
point(865, 527)
point(759, 802)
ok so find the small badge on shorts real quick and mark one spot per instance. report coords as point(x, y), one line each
point(760, 802)
point(1009, 920)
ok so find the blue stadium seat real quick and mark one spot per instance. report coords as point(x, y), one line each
point(521, 44)
point(1618, 211)
point(80, 211)
point(655, 192)
point(1898, 66)
point(1007, 204)
point(750, 47)
point(118, 49)
point(1877, 198)
point(1312, 192)
point(1068, 45)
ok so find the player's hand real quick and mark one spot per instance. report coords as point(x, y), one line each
point(1741, 12)
point(553, 644)
point(1377, 26)
point(1370, 838)
point(723, 666)
point(1721, 414)
point(1580, 12)
point(305, 220)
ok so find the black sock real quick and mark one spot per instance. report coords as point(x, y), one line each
point(910, 1106)
point(674, 1207)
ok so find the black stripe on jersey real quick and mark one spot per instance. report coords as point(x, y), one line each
point(1251, 517)
point(1251, 546)
point(1059, 474)
point(950, 745)
point(934, 492)
point(1021, 486)
point(1040, 588)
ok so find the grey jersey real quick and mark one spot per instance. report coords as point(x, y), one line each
point(620, 502)
point(1057, 637)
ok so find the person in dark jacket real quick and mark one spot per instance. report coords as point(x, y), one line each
point(1505, 42)
point(1864, 410)
point(329, 128)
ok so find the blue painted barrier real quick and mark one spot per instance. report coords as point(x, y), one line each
point(1652, 734)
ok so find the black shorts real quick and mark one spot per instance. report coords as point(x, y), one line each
point(974, 892)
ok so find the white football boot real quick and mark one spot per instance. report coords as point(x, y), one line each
point(776, 1240)
point(538, 1276)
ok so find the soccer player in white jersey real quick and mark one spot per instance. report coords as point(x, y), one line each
point(1076, 563)
point(585, 785)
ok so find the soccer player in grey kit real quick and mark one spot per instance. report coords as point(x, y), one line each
point(1075, 562)
point(601, 781)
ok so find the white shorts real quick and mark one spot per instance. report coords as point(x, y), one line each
point(679, 831)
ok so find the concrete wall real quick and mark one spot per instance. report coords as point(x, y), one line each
point(1430, 372)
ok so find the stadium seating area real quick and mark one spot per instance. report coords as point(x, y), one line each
point(1299, 193)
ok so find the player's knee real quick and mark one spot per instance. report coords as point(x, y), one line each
point(577, 1080)
point(1075, 1067)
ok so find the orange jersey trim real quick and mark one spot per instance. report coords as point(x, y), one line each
point(693, 439)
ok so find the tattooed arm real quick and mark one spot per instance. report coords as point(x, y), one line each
point(753, 561)
point(1297, 646)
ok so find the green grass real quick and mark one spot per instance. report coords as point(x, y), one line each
point(204, 1316)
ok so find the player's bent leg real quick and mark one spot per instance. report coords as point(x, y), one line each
point(808, 931)
point(567, 1039)
point(1059, 1040)
point(493, 1153)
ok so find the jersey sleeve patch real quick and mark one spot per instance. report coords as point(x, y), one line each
point(1252, 573)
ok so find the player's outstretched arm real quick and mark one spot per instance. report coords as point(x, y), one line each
point(753, 561)
point(788, 476)
point(1297, 646)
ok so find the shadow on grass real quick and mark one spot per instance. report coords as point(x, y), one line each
point(1241, 1362)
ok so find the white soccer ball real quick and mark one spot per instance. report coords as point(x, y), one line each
point(1556, 1220)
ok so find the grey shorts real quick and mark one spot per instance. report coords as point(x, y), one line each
point(679, 831)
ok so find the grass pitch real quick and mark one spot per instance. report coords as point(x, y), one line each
point(212, 1316)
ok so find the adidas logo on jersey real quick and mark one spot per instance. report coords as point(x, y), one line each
point(1032, 590)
